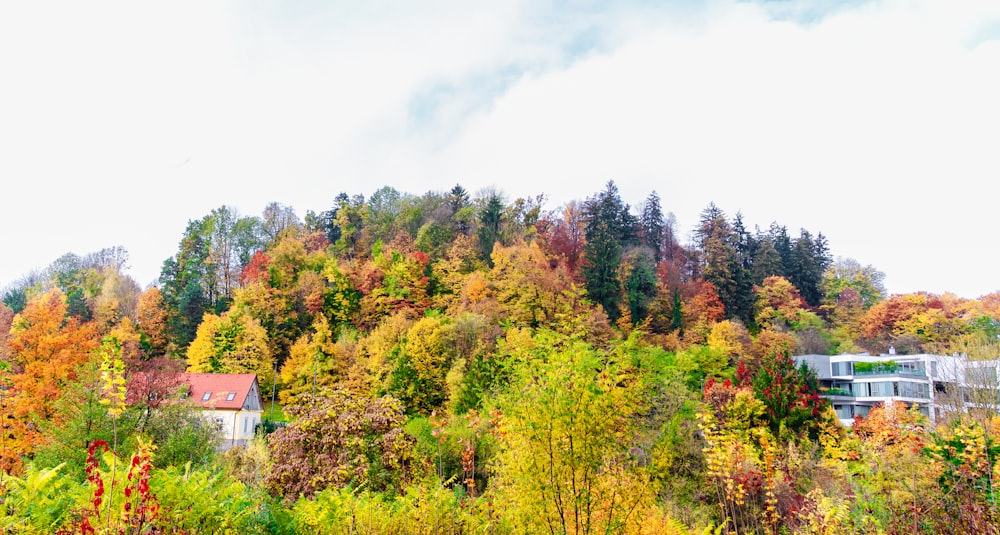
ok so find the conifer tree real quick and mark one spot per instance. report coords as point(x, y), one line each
point(651, 225)
point(609, 229)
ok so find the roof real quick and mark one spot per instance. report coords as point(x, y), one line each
point(212, 390)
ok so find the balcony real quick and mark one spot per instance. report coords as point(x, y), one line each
point(889, 367)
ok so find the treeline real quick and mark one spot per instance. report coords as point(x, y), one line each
point(471, 364)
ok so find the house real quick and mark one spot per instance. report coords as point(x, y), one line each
point(231, 401)
point(936, 384)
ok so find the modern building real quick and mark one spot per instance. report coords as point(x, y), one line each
point(854, 383)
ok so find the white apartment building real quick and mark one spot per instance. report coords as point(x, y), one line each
point(854, 383)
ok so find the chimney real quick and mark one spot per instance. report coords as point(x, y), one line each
point(892, 350)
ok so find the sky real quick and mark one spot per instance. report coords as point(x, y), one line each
point(876, 123)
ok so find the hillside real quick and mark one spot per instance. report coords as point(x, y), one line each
point(449, 363)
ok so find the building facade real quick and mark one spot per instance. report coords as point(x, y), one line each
point(854, 383)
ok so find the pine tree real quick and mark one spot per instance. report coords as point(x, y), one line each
point(490, 218)
point(609, 229)
point(651, 225)
point(720, 259)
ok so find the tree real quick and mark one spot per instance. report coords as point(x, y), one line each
point(337, 440)
point(317, 362)
point(847, 273)
point(462, 213)
point(6, 321)
point(766, 260)
point(730, 337)
point(565, 429)
point(639, 282)
point(277, 221)
point(779, 306)
point(232, 343)
point(609, 229)
point(721, 262)
point(117, 300)
point(651, 226)
point(701, 310)
point(790, 394)
point(563, 236)
point(152, 321)
point(46, 347)
point(418, 375)
point(808, 260)
point(232, 241)
point(188, 285)
point(490, 218)
point(528, 290)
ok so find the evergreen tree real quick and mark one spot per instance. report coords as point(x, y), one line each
point(651, 226)
point(609, 228)
point(767, 261)
point(743, 299)
point(783, 245)
point(186, 282)
point(721, 264)
point(640, 283)
point(809, 259)
point(490, 218)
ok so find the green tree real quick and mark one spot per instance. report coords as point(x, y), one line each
point(651, 226)
point(490, 218)
point(639, 273)
point(720, 263)
point(419, 373)
point(809, 259)
point(609, 229)
point(848, 273)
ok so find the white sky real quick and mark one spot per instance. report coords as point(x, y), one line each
point(876, 123)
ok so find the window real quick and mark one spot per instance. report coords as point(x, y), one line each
point(230, 396)
point(841, 368)
point(207, 396)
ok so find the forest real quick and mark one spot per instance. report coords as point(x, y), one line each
point(458, 363)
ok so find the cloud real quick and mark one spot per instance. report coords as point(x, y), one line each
point(873, 122)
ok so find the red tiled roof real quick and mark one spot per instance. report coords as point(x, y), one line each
point(218, 386)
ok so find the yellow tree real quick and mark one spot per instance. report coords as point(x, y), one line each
point(232, 343)
point(418, 376)
point(529, 291)
point(731, 337)
point(779, 305)
point(317, 361)
point(566, 429)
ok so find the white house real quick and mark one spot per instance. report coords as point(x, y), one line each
point(231, 401)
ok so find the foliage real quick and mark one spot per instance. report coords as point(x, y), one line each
point(46, 348)
point(609, 229)
point(883, 367)
point(567, 371)
point(790, 395)
point(337, 440)
point(232, 343)
point(565, 431)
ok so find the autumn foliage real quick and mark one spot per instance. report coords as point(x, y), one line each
point(445, 363)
